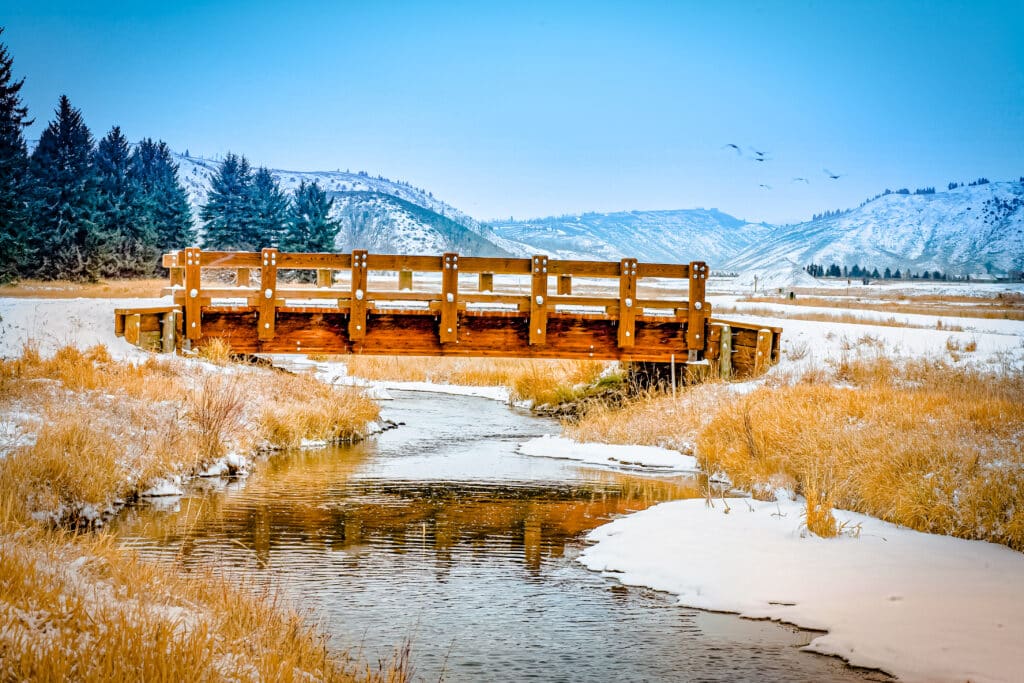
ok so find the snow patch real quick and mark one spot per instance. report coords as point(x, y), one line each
point(610, 455)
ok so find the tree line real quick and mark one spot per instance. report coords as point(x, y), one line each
point(81, 210)
point(866, 273)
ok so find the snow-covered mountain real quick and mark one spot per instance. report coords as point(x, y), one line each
point(378, 214)
point(966, 230)
point(657, 236)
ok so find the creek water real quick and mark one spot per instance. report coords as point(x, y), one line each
point(439, 534)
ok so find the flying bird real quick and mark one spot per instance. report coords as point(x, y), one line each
point(802, 180)
point(735, 147)
point(833, 176)
point(767, 187)
point(760, 154)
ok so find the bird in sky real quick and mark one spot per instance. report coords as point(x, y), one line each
point(735, 147)
point(802, 180)
point(833, 176)
point(765, 187)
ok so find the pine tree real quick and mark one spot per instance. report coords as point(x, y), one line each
point(310, 227)
point(163, 200)
point(269, 210)
point(13, 171)
point(120, 212)
point(67, 239)
point(227, 213)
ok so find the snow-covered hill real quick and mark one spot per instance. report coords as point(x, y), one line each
point(385, 215)
point(658, 236)
point(966, 230)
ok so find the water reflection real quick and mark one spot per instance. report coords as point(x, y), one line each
point(441, 532)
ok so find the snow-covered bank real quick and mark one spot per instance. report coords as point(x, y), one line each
point(610, 455)
point(920, 606)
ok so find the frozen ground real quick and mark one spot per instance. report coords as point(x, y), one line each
point(920, 606)
point(649, 458)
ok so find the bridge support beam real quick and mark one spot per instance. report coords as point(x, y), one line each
point(450, 299)
point(627, 303)
point(357, 307)
point(193, 270)
point(268, 293)
point(538, 301)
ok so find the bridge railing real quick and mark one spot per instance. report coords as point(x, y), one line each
point(343, 284)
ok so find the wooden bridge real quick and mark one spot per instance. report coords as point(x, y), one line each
point(448, 305)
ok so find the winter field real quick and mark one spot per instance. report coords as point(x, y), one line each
point(878, 472)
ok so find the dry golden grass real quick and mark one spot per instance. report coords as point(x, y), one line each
point(217, 351)
point(539, 381)
point(935, 447)
point(304, 409)
point(850, 317)
point(78, 608)
point(112, 429)
point(1006, 307)
point(105, 289)
point(924, 444)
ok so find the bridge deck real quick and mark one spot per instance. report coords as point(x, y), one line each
point(259, 303)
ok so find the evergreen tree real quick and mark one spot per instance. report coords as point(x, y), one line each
point(310, 227)
point(120, 212)
point(13, 171)
point(67, 239)
point(227, 213)
point(269, 210)
point(888, 274)
point(164, 202)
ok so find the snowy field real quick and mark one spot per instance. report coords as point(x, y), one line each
point(923, 607)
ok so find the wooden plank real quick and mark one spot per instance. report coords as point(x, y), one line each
point(763, 351)
point(174, 259)
point(565, 284)
point(405, 279)
point(538, 300)
point(242, 277)
point(486, 282)
point(725, 352)
point(357, 312)
point(268, 293)
point(449, 330)
point(502, 266)
point(324, 277)
point(399, 262)
point(193, 283)
point(695, 322)
point(627, 302)
point(314, 261)
point(680, 271)
point(510, 299)
point(119, 317)
point(177, 276)
point(609, 269)
point(714, 343)
point(132, 328)
point(168, 332)
point(145, 309)
point(230, 259)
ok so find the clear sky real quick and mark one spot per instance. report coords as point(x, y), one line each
point(528, 109)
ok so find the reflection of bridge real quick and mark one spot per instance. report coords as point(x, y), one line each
point(462, 306)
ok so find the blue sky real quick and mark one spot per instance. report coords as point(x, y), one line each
point(528, 109)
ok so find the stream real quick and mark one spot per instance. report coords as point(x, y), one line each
point(439, 534)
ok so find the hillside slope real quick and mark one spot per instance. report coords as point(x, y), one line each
point(414, 222)
point(659, 236)
point(962, 231)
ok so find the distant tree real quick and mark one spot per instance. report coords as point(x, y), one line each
point(874, 273)
point(164, 202)
point(269, 210)
point(888, 274)
point(13, 171)
point(897, 275)
point(903, 190)
point(925, 190)
point(310, 226)
point(119, 212)
point(227, 213)
point(67, 239)
point(952, 186)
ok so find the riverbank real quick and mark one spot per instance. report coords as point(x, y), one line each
point(83, 434)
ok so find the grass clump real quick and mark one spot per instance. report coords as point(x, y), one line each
point(79, 608)
point(924, 444)
point(305, 409)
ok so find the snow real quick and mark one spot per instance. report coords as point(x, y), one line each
point(784, 274)
point(920, 606)
point(164, 487)
point(53, 323)
point(610, 455)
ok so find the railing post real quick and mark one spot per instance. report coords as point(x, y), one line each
point(193, 284)
point(242, 277)
point(405, 279)
point(539, 301)
point(486, 282)
point(627, 303)
point(696, 310)
point(449, 331)
point(763, 351)
point(565, 284)
point(324, 277)
point(268, 294)
point(177, 273)
point(357, 315)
